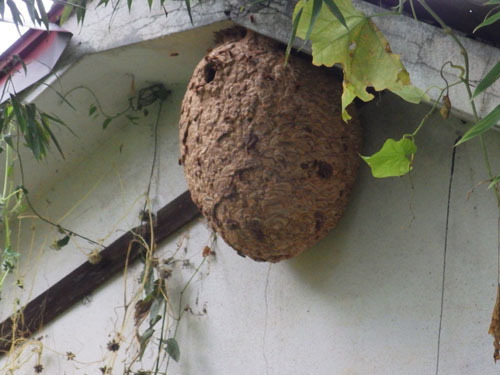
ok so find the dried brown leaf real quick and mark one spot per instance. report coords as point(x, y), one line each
point(495, 326)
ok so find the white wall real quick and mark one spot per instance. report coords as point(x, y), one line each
point(366, 300)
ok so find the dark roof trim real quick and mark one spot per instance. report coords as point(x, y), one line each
point(460, 15)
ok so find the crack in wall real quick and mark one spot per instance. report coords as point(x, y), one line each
point(450, 185)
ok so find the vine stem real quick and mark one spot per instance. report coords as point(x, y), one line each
point(6, 173)
point(466, 82)
point(180, 312)
point(30, 205)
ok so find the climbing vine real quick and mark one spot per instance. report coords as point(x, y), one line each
point(340, 34)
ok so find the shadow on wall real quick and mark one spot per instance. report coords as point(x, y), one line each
point(393, 229)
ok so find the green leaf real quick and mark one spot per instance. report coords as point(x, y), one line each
point(336, 12)
point(495, 180)
point(8, 139)
point(492, 2)
point(81, 10)
point(59, 121)
point(394, 158)
point(488, 80)
point(106, 122)
point(59, 244)
point(43, 13)
point(18, 112)
point(129, 5)
point(188, 6)
point(16, 14)
point(150, 3)
point(30, 8)
point(144, 340)
point(316, 9)
point(172, 349)
point(9, 259)
point(481, 126)
point(488, 21)
point(362, 50)
point(18, 59)
point(296, 19)
point(154, 317)
point(46, 126)
point(68, 8)
point(149, 282)
point(92, 109)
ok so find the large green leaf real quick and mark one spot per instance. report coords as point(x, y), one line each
point(361, 49)
point(394, 158)
point(489, 79)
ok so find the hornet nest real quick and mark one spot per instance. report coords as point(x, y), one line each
point(267, 157)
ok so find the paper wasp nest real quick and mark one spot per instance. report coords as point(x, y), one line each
point(266, 155)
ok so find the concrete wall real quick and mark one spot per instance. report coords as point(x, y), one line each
point(404, 285)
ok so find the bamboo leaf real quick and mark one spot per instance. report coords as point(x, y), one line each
point(481, 126)
point(129, 5)
point(30, 8)
point(16, 14)
point(18, 59)
point(495, 180)
point(34, 138)
point(488, 21)
point(46, 126)
point(488, 80)
point(81, 10)
point(68, 8)
point(43, 13)
point(296, 20)
point(18, 113)
point(316, 9)
point(172, 349)
point(57, 120)
point(61, 96)
point(336, 12)
point(188, 6)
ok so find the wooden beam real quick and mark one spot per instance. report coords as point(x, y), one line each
point(88, 277)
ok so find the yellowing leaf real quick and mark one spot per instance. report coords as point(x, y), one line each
point(362, 50)
point(394, 158)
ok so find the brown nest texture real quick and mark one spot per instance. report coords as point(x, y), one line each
point(267, 157)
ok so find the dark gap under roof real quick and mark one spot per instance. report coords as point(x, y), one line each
point(460, 15)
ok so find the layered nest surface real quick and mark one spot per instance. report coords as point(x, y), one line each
point(267, 157)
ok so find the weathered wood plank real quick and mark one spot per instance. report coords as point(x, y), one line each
point(88, 277)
